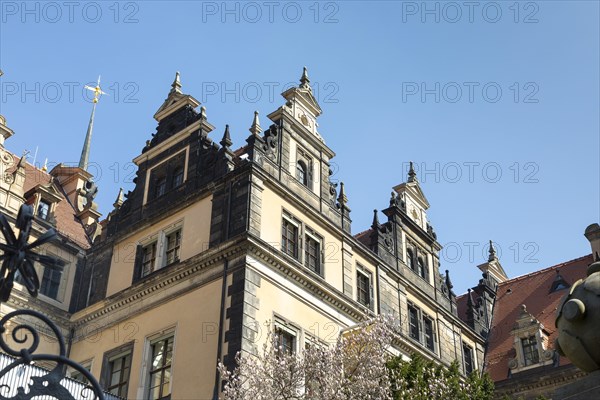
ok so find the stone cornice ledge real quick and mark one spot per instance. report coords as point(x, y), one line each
point(159, 289)
point(263, 251)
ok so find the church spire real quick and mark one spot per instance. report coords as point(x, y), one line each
point(85, 152)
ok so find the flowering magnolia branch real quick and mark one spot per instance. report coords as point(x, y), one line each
point(353, 368)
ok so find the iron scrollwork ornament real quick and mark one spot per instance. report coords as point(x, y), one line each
point(18, 257)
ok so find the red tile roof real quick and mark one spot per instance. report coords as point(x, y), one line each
point(533, 291)
point(67, 222)
point(364, 237)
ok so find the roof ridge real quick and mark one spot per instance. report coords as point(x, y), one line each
point(363, 232)
point(534, 273)
point(538, 272)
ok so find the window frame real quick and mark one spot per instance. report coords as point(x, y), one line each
point(471, 360)
point(311, 236)
point(154, 260)
point(361, 272)
point(106, 373)
point(285, 248)
point(414, 310)
point(280, 326)
point(530, 347)
point(178, 232)
point(48, 208)
point(150, 371)
point(429, 338)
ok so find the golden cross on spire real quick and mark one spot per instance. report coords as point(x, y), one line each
point(97, 91)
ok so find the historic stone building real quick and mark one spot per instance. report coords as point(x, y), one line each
point(521, 356)
point(213, 247)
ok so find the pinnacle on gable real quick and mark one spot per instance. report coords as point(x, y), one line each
point(492, 256)
point(176, 85)
point(412, 175)
point(375, 223)
point(226, 141)
point(304, 81)
point(255, 129)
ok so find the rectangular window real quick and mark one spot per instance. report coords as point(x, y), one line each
point(78, 376)
point(148, 258)
point(312, 254)
point(413, 323)
point(173, 246)
point(289, 238)
point(363, 288)
point(160, 369)
point(119, 368)
point(51, 282)
point(530, 350)
point(468, 355)
point(43, 209)
point(428, 333)
point(285, 340)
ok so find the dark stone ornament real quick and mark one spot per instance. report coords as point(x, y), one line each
point(18, 256)
point(271, 140)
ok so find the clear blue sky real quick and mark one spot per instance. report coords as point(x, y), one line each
point(397, 81)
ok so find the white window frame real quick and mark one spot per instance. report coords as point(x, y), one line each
point(160, 238)
point(143, 390)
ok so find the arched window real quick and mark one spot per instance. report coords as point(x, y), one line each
point(301, 173)
point(177, 177)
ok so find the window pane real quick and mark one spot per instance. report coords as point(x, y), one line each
point(413, 323)
point(51, 282)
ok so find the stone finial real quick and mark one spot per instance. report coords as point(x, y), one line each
point(255, 129)
point(226, 141)
point(492, 251)
point(176, 85)
point(120, 199)
point(202, 112)
point(342, 198)
point(375, 223)
point(412, 175)
point(304, 81)
point(469, 300)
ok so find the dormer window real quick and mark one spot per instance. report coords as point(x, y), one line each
point(559, 283)
point(409, 258)
point(304, 168)
point(530, 344)
point(531, 355)
point(43, 210)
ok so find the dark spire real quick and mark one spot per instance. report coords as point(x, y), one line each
point(342, 198)
point(412, 176)
point(304, 81)
point(375, 223)
point(492, 256)
point(226, 141)
point(469, 300)
point(449, 282)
